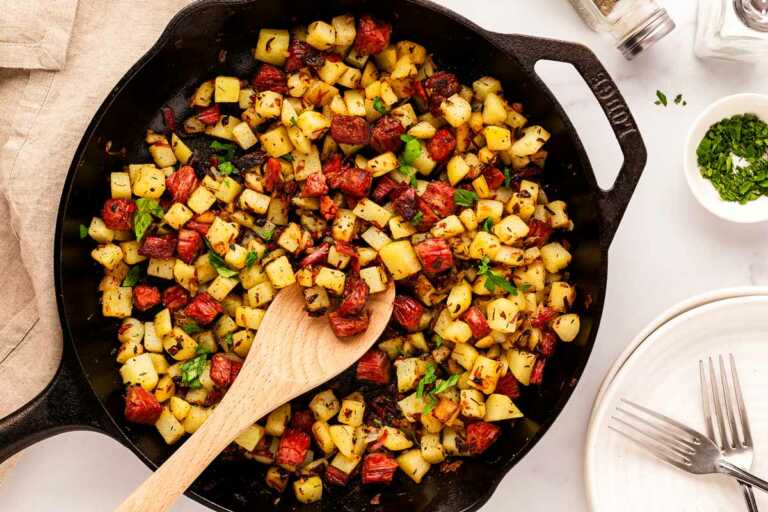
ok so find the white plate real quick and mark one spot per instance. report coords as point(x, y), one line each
point(702, 189)
point(662, 373)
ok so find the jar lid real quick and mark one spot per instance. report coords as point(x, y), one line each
point(647, 34)
point(754, 13)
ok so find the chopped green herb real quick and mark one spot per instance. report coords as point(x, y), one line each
point(464, 197)
point(438, 340)
point(226, 168)
point(732, 155)
point(142, 219)
point(192, 370)
point(417, 218)
point(493, 280)
point(266, 235)
point(191, 327)
point(409, 172)
point(203, 349)
point(224, 151)
point(432, 402)
point(83, 231)
point(287, 157)
point(412, 149)
point(444, 385)
point(662, 98)
point(487, 225)
point(680, 101)
point(294, 122)
point(132, 277)
point(251, 258)
point(507, 176)
point(378, 105)
point(227, 341)
point(524, 287)
point(428, 378)
point(220, 265)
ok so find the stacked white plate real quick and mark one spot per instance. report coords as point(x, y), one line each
point(659, 369)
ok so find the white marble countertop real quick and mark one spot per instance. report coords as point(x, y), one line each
point(683, 250)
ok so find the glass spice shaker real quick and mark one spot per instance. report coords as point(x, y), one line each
point(634, 24)
point(732, 30)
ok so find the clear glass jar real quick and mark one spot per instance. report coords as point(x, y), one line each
point(634, 24)
point(732, 30)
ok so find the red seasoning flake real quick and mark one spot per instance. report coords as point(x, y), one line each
point(374, 367)
point(141, 406)
point(378, 468)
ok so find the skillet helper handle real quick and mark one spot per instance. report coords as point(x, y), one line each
point(612, 202)
point(66, 404)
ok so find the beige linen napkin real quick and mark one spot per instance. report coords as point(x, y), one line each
point(43, 115)
point(34, 34)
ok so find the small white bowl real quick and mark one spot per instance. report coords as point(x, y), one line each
point(702, 189)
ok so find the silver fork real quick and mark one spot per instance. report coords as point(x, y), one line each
point(736, 450)
point(676, 444)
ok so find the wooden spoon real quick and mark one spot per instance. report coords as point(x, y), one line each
point(291, 354)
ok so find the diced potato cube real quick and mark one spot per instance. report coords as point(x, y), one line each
point(308, 489)
point(351, 412)
point(485, 374)
point(322, 434)
point(250, 318)
point(151, 340)
point(423, 130)
point(396, 440)
point(244, 136)
point(481, 187)
point(344, 438)
point(195, 417)
point(497, 138)
point(413, 464)
point(260, 294)
point(375, 278)
point(221, 286)
point(290, 238)
point(400, 259)
point(510, 229)
point(489, 209)
point(162, 323)
point(484, 245)
point(456, 110)
point(432, 449)
point(561, 296)
point(99, 231)
point(494, 109)
point(254, 201)
point(178, 215)
point(521, 365)
point(120, 185)
point(500, 407)
point(464, 354)
point(534, 137)
point(400, 228)
point(382, 164)
point(457, 168)
point(140, 370)
point(448, 227)
point(163, 156)
point(372, 212)
point(484, 86)
point(108, 255)
point(344, 28)
point(179, 344)
point(331, 279)
point(472, 404)
point(376, 238)
point(532, 275)
point(321, 35)
point(555, 257)
point(117, 302)
point(165, 386)
point(387, 58)
point(331, 71)
point(320, 93)
point(161, 267)
point(567, 326)
point(250, 437)
point(185, 275)
point(203, 95)
point(201, 200)
point(268, 104)
point(503, 315)
point(169, 427)
point(276, 142)
point(324, 405)
point(221, 234)
point(226, 89)
point(409, 371)
point(280, 272)
point(179, 407)
point(459, 299)
point(241, 342)
point(278, 420)
point(272, 46)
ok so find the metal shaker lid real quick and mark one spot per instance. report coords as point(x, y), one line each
point(647, 34)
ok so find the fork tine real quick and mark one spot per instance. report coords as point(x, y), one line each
point(740, 403)
point(666, 434)
point(708, 423)
point(727, 401)
point(724, 442)
point(695, 436)
point(651, 448)
point(659, 440)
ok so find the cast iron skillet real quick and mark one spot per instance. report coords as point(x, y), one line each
point(86, 393)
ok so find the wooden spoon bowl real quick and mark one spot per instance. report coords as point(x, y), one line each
point(291, 354)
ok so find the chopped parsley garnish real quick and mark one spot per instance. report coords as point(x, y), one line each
point(428, 378)
point(227, 341)
point(464, 197)
point(192, 370)
point(142, 219)
point(493, 280)
point(487, 225)
point(438, 340)
point(409, 172)
point(83, 231)
point(251, 258)
point(287, 157)
point(191, 327)
point(412, 149)
point(417, 218)
point(732, 155)
point(294, 122)
point(378, 105)
point(204, 349)
point(680, 101)
point(507, 176)
point(266, 234)
point(226, 168)
point(444, 385)
point(661, 99)
point(224, 151)
point(220, 265)
point(132, 277)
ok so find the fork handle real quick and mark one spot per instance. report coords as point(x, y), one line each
point(744, 476)
point(749, 497)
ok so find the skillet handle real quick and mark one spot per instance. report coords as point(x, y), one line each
point(529, 50)
point(67, 403)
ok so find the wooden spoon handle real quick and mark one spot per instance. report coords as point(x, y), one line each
point(233, 415)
